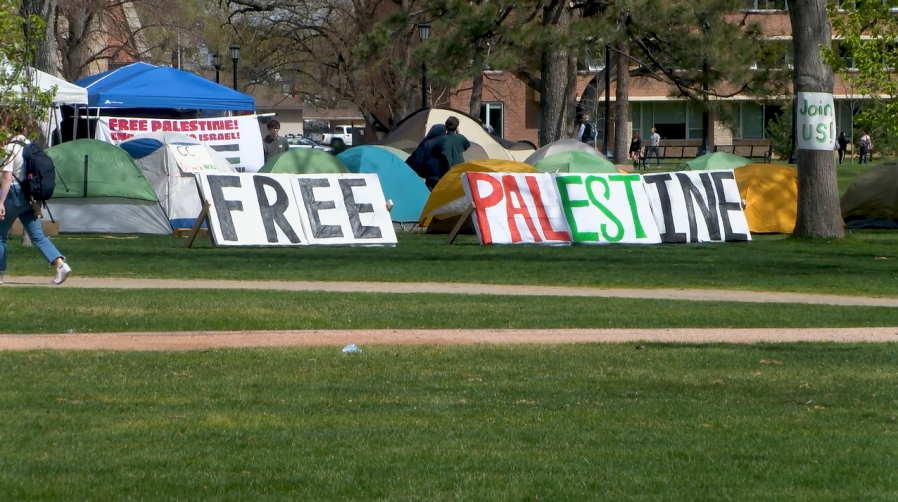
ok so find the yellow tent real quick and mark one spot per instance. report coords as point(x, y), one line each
point(770, 193)
point(447, 200)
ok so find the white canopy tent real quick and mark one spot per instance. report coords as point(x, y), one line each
point(66, 93)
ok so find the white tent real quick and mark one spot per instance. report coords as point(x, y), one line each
point(177, 192)
point(66, 93)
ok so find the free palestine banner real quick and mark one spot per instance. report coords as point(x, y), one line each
point(561, 209)
point(296, 210)
point(237, 139)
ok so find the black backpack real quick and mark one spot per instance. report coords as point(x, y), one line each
point(40, 173)
point(589, 132)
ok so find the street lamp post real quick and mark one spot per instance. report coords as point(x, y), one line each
point(235, 55)
point(424, 34)
point(605, 119)
point(704, 148)
point(216, 62)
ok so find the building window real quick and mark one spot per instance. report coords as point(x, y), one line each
point(491, 114)
point(751, 121)
point(767, 4)
point(672, 119)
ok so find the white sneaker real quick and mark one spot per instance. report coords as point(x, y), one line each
point(1, 277)
point(62, 272)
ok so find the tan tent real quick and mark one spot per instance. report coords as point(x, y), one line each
point(411, 130)
point(872, 200)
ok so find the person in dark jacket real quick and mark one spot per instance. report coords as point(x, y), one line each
point(451, 147)
point(423, 161)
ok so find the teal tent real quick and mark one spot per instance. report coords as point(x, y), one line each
point(400, 184)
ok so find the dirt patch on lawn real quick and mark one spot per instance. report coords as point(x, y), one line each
point(338, 338)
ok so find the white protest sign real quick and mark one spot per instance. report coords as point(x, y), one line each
point(816, 121)
point(341, 209)
point(237, 139)
point(607, 208)
point(192, 158)
point(697, 206)
point(252, 209)
point(516, 208)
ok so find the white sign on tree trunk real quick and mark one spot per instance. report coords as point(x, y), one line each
point(816, 125)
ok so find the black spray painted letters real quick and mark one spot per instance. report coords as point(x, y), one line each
point(660, 182)
point(693, 196)
point(726, 206)
point(319, 231)
point(224, 207)
point(274, 213)
point(353, 209)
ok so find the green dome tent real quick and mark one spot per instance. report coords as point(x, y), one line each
point(108, 195)
point(575, 162)
point(872, 199)
point(714, 162)
point(304, 161)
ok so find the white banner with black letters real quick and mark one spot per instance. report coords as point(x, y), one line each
point(697, 206)
point(296, 210)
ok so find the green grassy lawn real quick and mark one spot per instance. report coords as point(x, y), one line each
point(83, 311)
point(580, 422)
point(862, 264)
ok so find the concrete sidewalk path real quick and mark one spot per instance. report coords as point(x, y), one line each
point(461, 289)
point(200, 340)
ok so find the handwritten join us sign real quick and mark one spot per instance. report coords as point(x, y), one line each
point(816, 124)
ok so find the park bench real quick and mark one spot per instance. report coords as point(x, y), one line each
point(751, 152)
point(670, 154)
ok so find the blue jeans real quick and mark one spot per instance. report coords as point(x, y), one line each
point(18, 207)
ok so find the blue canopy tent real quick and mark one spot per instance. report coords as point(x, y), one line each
point(399, 183)
point(142, 85)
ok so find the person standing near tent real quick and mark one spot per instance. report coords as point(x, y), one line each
point(587, 133)
point(842, 144)
point(423, 161)
point(274, 144)
point(450, 147)
point(15, 205)
point(866, 147)
point(635, 146)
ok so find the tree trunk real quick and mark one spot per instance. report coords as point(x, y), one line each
point(476, 93)
point(622, 105)
point(553, 97)
point(45, 56)
point(819, 214)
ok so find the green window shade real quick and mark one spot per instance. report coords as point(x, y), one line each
point(752, 121)
point(695, 122)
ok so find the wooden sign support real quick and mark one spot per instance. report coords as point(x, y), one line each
point(461, 223)
point(197, 225)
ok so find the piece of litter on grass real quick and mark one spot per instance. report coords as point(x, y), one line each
point(884, 258)
point(352, 349)
point(771, 361)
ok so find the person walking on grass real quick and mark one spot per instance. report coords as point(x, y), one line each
point(842, 144)
point(866, 147)
point(15, 205)
point(654, 147)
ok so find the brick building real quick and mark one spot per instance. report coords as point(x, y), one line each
point(512, 108)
